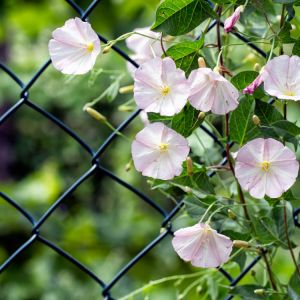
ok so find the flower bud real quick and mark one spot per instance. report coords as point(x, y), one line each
point(260, 292)
point(201, 62)
point(241, 244)
point(231, 214)
point(126, 89)
point(107, 49)
point(256, 120)
point(257, 67)
point(95, 114)
point(189, 166)
point(128, 166)
point(126, 108)
point(201, 115)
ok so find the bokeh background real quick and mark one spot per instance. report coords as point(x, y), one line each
point(103, 225)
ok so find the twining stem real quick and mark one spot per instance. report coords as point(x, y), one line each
point(269, 270)
point(289, 241)
point(221, 62)
point(281, 25)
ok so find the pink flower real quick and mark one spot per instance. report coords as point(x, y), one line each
point(254, 85)
point(159, 151)
point(232, 20)
point(211, 91)
point(160, 87)
point(282, 77)
point(266, 167)
point(144, 47)
point(202, 246)
point(74, 47)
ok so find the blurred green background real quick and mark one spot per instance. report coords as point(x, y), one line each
point(102, 224)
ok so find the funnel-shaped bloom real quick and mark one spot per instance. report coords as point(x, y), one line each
point(281, 78)
point(232, 20)
point(159, 151)
point(211, 91)
point(160, 87)
point(145, 45)
point(74, 47)
point(266, 167)
point(202, 246)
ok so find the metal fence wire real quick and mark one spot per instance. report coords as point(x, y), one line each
point(95, 156)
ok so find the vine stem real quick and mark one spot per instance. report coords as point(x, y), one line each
point(269, 270)
point(288, 240)
point(221, 62)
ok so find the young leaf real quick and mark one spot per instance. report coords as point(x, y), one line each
point(186, 55)
point(177, 17)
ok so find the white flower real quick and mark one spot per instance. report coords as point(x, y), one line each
point(74, 47)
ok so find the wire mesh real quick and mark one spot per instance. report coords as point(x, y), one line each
point(95, 156)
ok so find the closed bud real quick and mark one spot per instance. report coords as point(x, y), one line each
point(95, 114)
point(187, 189)
point(260, 292)
point(201, 115)
point(257, 67)
point(107, 49)
point(201, 62)
point(126, 89)
point(126, 108)
point(189, 166)
point(128, 166)
point(256, 120)
point(231, 214)
point(241, 244)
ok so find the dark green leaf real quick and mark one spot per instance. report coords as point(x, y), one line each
point(186, 55)
point(177, 17)
point(267, 113)
point(186, 121)
point(284, 35)
point(294, 287)
point(242, 129)
point(296, 48)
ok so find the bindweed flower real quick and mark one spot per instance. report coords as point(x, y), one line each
point(280, 77)
point(266, 167)
point(233, 19)
point(202, 246)
point(211, 91)
point(74, 47)
point(160, 87)
point(145, 46)
point(159, 151)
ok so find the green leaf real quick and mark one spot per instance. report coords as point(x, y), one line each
point(267, 113)
point(284, 1)
point(199, 180)
point(242, 129)
point(296, 48)
point(284, 35)
point(186, 55)
point(294, 287)
point(155, 117)
point(177, 17)
point(186, 121)
point(278, 215)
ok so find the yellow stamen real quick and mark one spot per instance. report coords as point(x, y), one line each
point(165, 90)
point(90, 47)
point(265, 165)
point(163, 147)
point(289, 93)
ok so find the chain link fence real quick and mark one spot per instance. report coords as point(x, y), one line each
point(96, 166)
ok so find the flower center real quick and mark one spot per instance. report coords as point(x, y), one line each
point(163, 147)
point(165, 90)
point(90, 47)
point(289, 93)
point(265, 165)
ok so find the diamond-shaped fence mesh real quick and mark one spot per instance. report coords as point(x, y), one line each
point(95, 159)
